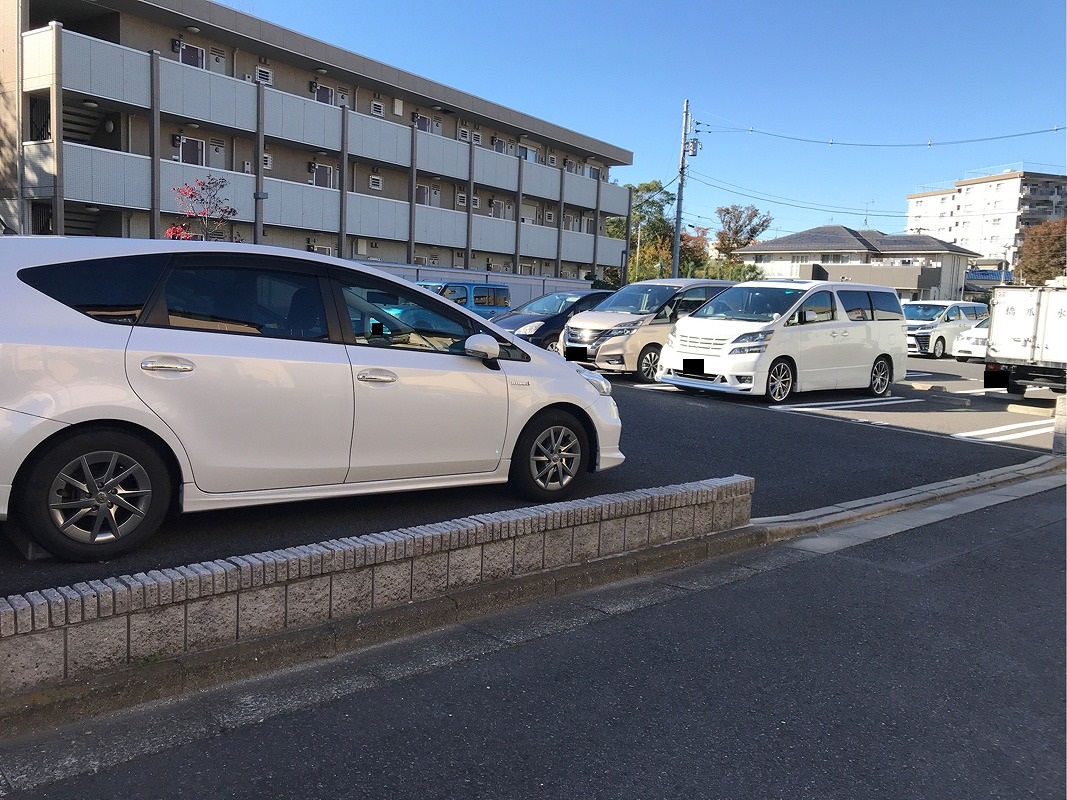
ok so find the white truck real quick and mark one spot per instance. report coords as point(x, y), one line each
point(1028, 338)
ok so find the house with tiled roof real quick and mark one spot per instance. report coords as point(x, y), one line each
point(917, 266)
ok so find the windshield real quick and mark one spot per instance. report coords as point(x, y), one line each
point(751, 303)
point(549, 304)
point(638, 299)
point(922, 312)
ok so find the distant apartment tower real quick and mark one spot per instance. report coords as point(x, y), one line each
point(989, 211)
point(104, 109)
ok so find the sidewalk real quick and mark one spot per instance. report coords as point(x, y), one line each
point(1004, 511)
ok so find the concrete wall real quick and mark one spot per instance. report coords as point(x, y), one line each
point(62, 637)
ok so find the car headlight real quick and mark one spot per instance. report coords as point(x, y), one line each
point(755, 342)
point(924, 329)
point(529, 329)
point(625, 329)
point(600, 383)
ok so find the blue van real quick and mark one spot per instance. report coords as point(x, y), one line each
point(484, 299)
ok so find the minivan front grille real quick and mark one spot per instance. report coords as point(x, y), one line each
point(701, 344)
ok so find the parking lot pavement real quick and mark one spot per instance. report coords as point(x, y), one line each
point(951, 650)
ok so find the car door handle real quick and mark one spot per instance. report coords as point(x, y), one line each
point(166, 365)
point(376, 377)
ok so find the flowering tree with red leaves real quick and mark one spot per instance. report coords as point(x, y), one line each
point(206, 211)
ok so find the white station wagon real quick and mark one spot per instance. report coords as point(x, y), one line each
point(143, 377)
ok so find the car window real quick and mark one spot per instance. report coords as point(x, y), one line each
point(411, 321)
point(690, 301)
point(588, 302)
point(886, 306)
point(229, 299)
point(953, 314)
point(457, 294)
point(111, 290)
point(857, 305)
point(822, 303)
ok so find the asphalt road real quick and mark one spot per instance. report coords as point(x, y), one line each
point(927, 664)
point(799, 461)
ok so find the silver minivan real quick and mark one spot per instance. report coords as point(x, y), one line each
point(627, 331)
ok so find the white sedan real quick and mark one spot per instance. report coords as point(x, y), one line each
point(971, 344)
point(143, 377)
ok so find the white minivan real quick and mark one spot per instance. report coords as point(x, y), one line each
point(933, 325)
point(776, 337)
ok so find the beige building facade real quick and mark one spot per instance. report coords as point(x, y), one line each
point(105, 108)
point(989, 213)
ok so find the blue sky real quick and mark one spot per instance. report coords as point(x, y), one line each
point(883, 75)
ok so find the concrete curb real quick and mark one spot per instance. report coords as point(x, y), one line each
point(97, 694)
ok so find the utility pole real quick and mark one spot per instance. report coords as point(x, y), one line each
point(689, 147)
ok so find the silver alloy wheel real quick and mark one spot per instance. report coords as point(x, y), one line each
point(555, 457)
point(552, 346)
point(100, 497)
point(880, 377)
point(649, 364)
point(939, 348)
point(779, 381)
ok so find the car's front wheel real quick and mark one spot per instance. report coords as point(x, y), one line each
point(781, 380)
point(648, 363)
point(550, 455)
point(938, 350)
point(95, 495)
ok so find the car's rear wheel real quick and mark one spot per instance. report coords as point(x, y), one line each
point(881, 377)
point(95, 495)
point(1014, 387)
point(551, 454)
point(781, 380)
point(938, 350)
point(648, 363)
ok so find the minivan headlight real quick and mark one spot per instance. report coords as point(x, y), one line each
point(754, 342)
point(529, 329)
point(599, 382)
point(622, 329)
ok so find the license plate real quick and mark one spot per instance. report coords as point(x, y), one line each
point(576, 353)
point(693, 366)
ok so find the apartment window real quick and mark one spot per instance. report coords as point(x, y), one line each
point(569, 165)
point(191, 54)
point(594, 173)
point(500, 145)
point(376, 182)
point(834, 258)
point(324, 94)
point(528, 153)
point(321, 249)
point(265, 76)
point(762, 258)
point(590, 225)
point(421, 122)
point(377, 108)
point(321, 175)
point(191, 151)
point(476, 137)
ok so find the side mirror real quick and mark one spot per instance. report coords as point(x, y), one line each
point(810, 316)
point(483, 346)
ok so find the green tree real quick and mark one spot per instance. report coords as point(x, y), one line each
point(650, 229)
point(1043, 254)
point(740, 227)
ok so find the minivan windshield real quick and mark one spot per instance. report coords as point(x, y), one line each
point(751, 303)
point(638, 299)
point(923, 312)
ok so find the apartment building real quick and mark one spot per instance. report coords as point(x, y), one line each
point(106, 106)
point(990, 210)
point(919, 267)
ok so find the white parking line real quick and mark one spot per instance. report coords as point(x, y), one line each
point(1012, 427)
point(1023, 435)
point(656, 387)
point(982, 391)
point(845, 404)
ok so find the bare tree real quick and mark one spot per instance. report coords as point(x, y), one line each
point(741, 226)
point(1043, 254)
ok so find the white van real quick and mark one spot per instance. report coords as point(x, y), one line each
point(775, 337)
point(933, 325)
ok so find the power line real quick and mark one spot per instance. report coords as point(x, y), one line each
point(801, 204)
point(832, 141)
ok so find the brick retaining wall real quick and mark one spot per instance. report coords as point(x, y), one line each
point(56, 638)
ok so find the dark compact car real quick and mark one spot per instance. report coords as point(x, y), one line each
point(541, 321)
